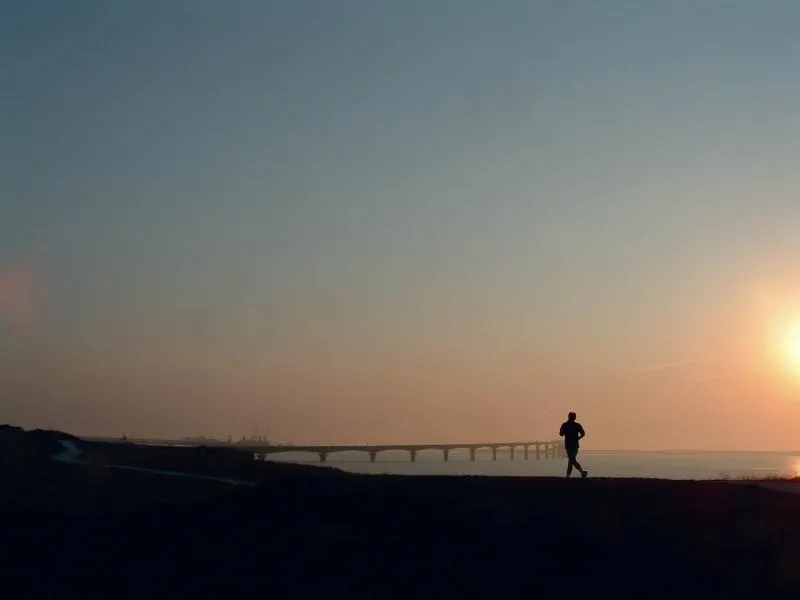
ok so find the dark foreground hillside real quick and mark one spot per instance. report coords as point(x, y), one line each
point(313, 533)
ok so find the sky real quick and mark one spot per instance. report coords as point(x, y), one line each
point(418, 221)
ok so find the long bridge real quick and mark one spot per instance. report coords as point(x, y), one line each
point(261, 450)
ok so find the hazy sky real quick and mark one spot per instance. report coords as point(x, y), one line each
point(433, 220)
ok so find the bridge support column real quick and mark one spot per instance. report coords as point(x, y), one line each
point(446, 455)
point(537, 452)
point(511, 448)
point(413, 455)
point(323, 457)
point(472, 454)
point(526, 452)
point(494, 452)
point(372, 456)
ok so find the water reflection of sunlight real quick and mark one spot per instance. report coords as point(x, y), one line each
point(794, 467)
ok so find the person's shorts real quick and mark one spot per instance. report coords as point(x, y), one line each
point(572, 452)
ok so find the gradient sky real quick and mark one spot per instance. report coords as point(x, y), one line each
point(427, 220)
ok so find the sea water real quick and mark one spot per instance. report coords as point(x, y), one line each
point(664, 465)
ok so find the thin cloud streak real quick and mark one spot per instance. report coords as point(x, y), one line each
point(19, 297)
point(667, 365)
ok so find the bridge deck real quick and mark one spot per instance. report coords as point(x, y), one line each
point(552, 449)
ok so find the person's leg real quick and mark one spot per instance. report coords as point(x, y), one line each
point(571, 461)
point(577, 464)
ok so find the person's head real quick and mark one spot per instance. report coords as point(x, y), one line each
point(572, 416)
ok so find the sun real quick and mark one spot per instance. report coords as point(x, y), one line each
point(792, 347)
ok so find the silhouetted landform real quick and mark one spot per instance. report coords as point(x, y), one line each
point(211, 461)
point(313, 532)
point(22, 449)
point(164, 457)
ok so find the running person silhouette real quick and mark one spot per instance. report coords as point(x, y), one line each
point(572, 432)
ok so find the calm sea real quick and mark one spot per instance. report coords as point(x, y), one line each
point(665, 465)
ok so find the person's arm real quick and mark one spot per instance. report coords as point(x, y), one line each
point(581, 432)
point(561, 431)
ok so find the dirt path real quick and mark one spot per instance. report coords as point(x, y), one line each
point(789, 487)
